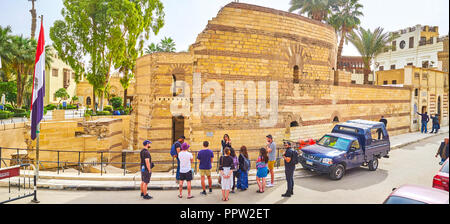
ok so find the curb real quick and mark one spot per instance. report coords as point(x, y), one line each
point(415, 141)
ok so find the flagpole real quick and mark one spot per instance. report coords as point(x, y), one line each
point(38, 130)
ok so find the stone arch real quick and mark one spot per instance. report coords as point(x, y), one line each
point(335, 117)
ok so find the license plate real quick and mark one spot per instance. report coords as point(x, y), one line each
point(309, 162)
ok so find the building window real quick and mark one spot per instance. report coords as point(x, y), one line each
point(394, 82)
point(385, 82)
point(381, 68)
point(411, 42)
point(416, 92)
point(295, 74)
point(417, 75)
point(425, 64)
point(392, 67)
point(353, 82)
point(294, 124)
point(336, 119)
point(66, 81)
point(402, 44)
point(55, 72)
point(174, 87)
point(410, 63)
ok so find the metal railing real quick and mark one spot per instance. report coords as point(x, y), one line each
point(20, 182)
point(105, 158)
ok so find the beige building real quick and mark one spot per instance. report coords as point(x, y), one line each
point(60, 75)
point(84, 91)
point(429, 91)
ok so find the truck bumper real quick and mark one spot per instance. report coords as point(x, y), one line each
point(317, 167)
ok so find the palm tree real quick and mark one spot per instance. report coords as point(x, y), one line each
point(22, 50)
point(345, 20)
point(315, 9)
point(370, 44)
point(5, 52)
point(166, 45)
point(33, 19)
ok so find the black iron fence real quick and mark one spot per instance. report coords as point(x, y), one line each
point(58, 161)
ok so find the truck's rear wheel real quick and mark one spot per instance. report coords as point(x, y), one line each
point(373, 164)
point(337, 172)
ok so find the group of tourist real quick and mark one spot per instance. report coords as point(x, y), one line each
point(231, 167)
point(426, 119)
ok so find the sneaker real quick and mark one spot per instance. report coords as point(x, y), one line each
point(269, 185)
point(147, 197)
point(203, 193)
point(142, 194)
point(232, 192)
point(210, 190)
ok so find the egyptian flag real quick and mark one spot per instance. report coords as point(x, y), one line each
point(37, 97)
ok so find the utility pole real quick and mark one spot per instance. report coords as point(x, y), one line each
point(33, 19)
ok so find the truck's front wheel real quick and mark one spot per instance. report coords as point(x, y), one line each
point(337, 172)
point(373, 164)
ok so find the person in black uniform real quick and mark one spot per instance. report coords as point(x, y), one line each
point(289, 168)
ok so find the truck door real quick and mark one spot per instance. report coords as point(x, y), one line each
point(355, 155)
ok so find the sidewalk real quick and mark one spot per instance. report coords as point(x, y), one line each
point(70, 180)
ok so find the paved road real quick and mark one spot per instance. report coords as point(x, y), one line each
point(412, 164)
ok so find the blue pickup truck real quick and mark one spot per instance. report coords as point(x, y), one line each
point(351, 144)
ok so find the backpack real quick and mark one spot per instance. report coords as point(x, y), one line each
point(235, 162)
point(173, 150)
point(246, 164)
point(294, 158)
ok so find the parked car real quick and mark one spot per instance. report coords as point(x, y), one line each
point(440, 180)
point(413, 194)
point(351, 144)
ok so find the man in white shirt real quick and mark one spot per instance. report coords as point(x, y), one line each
point(186, 174)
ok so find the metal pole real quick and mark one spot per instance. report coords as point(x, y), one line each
point(0, 157)
point(101, 164)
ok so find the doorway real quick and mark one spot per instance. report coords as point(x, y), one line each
point(177, 127)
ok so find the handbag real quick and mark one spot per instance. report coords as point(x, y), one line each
point(220, 177)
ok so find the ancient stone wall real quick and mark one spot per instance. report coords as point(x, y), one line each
point(251, 43)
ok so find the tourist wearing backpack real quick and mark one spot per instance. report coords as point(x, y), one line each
point(290, 160)
point(244, 167)
point(235, 171)
point(176, 148)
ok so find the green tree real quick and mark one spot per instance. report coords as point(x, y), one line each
point(61, 94)
point(165, 45)
point(344, 19)
point(370, 44)
point(103, 30)
point(315, 9)
point(10, 91)
point(5, 52)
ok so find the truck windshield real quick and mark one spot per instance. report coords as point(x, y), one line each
point(334, 142)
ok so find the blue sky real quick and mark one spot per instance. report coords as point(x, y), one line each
point(185, 19)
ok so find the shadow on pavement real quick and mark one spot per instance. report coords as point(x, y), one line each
point(353, 179)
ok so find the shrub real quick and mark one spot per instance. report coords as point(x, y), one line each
point(5, 114)
point(9, 107)
point(100, 113)
point(50, 107)
point(116, 102)
point(88, 113)
point(19, 111)
point(108, 108)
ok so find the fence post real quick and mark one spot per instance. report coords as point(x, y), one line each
point(195, 169)
point(217, 163)
point(125, 163)
point(79, 164)
point(101, 164)
point(58, 162)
